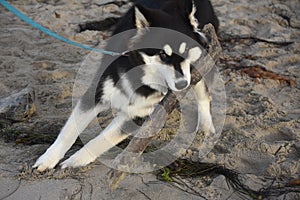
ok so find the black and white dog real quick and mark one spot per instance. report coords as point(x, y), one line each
point(159, 70)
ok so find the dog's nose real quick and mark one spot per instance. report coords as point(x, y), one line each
point(181, 84)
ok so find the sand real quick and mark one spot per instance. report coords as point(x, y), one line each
point(260, 67)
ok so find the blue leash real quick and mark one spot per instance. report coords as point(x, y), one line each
point(52, 34)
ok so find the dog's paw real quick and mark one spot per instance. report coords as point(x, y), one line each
point(209, 129)
point(44, 163)
point(47, 161)
point(79, 159)
point(207, 126)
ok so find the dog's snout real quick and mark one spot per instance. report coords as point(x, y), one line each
point(181, 84)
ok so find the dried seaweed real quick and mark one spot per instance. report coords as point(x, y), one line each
point(179, 172)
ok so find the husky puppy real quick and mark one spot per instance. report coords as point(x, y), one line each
point(159, 70)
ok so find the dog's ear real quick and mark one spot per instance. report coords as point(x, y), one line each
point(140, 15)
point(140, 20)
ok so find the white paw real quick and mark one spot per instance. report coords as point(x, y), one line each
point(47, 161)
point(206, 123)
point(212, 129)
point(81, 158)
point(208, 128)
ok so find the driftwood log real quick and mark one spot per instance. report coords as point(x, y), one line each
point(139, 144)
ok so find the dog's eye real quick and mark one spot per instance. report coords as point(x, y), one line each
point(164, 57)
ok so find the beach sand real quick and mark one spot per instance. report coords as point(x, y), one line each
point(260, 67)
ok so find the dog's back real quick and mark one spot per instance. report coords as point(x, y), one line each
point(204, 12)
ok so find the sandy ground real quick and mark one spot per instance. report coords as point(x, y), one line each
point(260, 66)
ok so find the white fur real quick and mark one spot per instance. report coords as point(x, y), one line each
point(204, 100)
point(160, 73)
point(126, 86)
point(182, 47)
point(186, 69)
point(194, 54)
point(110, 137)
point(143, 106)
point(194, 22)
point(164, 73)
point(168, 50)
point(113, 95)
point(77, 122)
point(132, 104)
point(201, 35)
point(140, 20)
point(152, 76)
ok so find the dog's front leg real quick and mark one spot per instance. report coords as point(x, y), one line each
point(204, 99)
point(76, 123)
point(108, 138)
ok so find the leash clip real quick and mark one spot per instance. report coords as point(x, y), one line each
point(124, 53)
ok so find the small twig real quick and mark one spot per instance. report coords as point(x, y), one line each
point(256, 39)
point(143, 193)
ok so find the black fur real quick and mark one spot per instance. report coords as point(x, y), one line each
point(205, 12)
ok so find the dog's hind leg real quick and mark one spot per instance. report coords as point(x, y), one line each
point(77, 122)
point(204, 100)
point(108, 138)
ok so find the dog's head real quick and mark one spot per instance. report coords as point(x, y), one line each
point(171, 62)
